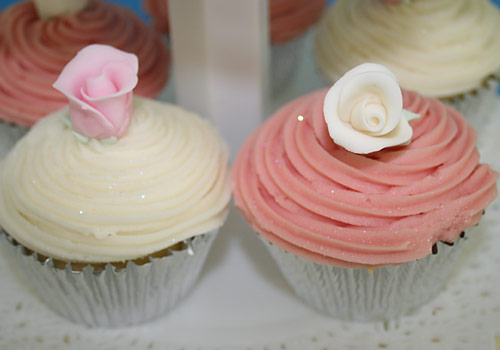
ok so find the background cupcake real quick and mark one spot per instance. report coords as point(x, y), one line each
point(289, 22)
point(36, 43)
point(110, 206)
point(444, 49)
point(353, 200)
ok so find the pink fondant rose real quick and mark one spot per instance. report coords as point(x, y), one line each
point(98, 83)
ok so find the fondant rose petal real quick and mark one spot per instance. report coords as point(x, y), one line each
point(99, 86)
point(378, 92)
point(98, 83)
point(91, 124)
point(89, 62)
point(364, 110)
point(122, 75)
point(117, 110)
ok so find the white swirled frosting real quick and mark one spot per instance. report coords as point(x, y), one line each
point(164, 181)
point(438, 48)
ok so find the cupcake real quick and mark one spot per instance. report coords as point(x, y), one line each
point(361, 202)
point(289, 21)
point(447, 49)
point(158, 11)
point(37, 39)
point(111, 204)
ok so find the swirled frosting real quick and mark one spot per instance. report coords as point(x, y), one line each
point(166, 180)
point(438, 48)
point(34, 51)
point(288, 18)
point(312, 198)
point(158, 10)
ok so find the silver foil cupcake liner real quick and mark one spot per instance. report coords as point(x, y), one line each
point(9, 135)
point(362, 294)
point(284, 60)
point(478, 107)
point(114, 297)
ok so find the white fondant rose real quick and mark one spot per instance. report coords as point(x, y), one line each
point(364, 110)
point(55, 8)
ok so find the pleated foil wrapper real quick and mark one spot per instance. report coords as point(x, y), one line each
point(362, 294)
point(114, 297)
point(9, 135)
point(479, 106)
point(284, 60)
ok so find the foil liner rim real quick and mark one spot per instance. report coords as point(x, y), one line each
point(49, 261)
point(461, 237)
point(491, 82)
point(113, 297)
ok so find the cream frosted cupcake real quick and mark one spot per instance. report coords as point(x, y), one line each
point(38, 38)
point(358, 205)
point(447, 49)
point(110, 205)
point(289, 21)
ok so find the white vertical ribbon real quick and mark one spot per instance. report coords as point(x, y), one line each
point(220, 54)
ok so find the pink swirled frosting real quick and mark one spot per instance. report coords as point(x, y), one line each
point(312, 198)
point(290, 19)
point(158, 10)
point(33, 52)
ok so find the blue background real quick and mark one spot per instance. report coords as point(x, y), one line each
point(134, 5)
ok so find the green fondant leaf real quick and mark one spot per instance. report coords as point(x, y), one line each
point(109, 141)
point(81, 138)
point(67, 121)
point(410, 115)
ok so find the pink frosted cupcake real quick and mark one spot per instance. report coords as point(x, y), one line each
point(38, 39)
point(289, 21)
point(359, 206)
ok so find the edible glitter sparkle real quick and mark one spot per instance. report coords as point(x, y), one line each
point(190, 249)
